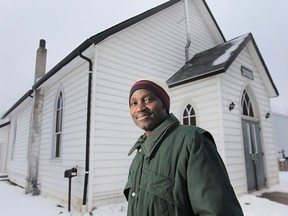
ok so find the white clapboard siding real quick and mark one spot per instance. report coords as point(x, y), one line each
point(153, 47)
point(4, 141)
point(266, 124)
point(232, 85)
point(51, 171)
point(203, 96)
point(18, 165)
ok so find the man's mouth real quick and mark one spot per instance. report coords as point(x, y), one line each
point(144, 116)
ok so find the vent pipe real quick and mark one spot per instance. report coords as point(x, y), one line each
point(187, 31)
point(41, 56)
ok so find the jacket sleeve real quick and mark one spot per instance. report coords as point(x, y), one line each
point(209, 188)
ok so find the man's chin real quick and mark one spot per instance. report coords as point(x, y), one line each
point(144, 125)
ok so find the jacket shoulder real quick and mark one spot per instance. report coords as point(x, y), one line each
point(192, 130)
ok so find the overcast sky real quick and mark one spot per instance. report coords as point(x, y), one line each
point(65, 24)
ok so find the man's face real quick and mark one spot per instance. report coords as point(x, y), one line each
point(147, 110)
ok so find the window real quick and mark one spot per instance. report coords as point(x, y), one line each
point(189, 117)
point(58, 125)
point(246, 104)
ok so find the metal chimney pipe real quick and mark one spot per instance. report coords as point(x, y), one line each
point(187, 31)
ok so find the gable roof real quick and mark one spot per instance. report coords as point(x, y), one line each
point(97, 39)
point(215, 61)
point(112, 30)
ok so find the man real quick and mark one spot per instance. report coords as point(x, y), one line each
point(176, 170)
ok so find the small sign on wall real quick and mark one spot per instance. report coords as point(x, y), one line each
point(247, 73)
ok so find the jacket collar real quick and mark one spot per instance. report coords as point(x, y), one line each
point(155, 136)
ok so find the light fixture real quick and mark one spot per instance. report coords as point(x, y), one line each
point(267, 115)
point(231, 106)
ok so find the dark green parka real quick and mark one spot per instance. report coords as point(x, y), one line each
point(177, 171)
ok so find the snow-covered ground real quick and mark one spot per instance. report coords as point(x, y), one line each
point(14, 202)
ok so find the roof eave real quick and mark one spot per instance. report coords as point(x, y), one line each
point(27, 94)
point(102, 36)
point(4, 124)
point(276, 93)
point(192, 79)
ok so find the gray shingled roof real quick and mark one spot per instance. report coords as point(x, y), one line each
point(209, 62)
point(215, 61)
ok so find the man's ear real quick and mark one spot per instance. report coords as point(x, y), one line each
point(163, 107)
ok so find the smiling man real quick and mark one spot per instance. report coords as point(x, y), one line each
point(149, 105)
point(177, 169)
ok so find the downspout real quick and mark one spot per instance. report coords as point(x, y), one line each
point(87, 128)
point(187, 58)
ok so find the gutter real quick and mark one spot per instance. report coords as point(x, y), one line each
point(87, 127)
point(4, 124)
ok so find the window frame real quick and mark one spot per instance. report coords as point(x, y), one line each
point(189, 115)
point(247, 108)
point(58, 125)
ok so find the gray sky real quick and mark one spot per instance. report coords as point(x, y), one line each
point(65, 24)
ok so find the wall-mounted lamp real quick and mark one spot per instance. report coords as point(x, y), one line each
point(231, 106)
point(267, 115)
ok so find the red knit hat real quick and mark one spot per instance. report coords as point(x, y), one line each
point(159, 88)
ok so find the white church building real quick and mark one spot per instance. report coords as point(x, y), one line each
point(77, 114)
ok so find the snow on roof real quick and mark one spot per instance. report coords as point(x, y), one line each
point(209, 62)
point(235, 44)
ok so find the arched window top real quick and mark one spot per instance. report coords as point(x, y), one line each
point(247, 108)
point(60, 100)
point(58, 125)
point(189, 117)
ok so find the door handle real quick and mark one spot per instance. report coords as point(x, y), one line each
point(254, 158)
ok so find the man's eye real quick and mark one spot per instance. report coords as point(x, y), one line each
point(133, 104)
point(147, 100)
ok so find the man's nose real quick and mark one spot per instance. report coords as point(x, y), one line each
point(141, 106)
